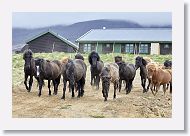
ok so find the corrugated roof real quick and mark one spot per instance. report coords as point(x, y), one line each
point(56, 35)
point(130, 34)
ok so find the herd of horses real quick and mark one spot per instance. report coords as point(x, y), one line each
point(74, 72)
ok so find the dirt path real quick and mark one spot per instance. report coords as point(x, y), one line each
point(92, 105)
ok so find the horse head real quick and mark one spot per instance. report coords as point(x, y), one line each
point(27, 56)
point(139, 61)
point(93, 58)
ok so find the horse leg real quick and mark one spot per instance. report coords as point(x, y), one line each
point(157, 88)
point(25, 81)
point(120, 82)
point(164, 89)
point(64, 88)
point(55, 85)
point(79, 89)
point(57, 82)
point(115, 87)
point(106, 94)
point(40, 87)
point(167, 86)
point(149, 81)
point(145, 90)
point(30, 83)
point(170, 87)
point(97, 82)
point(72, 89)
point(82, 86)
point(130, 85)
point(127, 87)
point(151, 88)
point(103, 91)
point(49, 86)
point(142, 84)
point(91, 79)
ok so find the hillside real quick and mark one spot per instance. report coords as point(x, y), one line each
point(73, 31)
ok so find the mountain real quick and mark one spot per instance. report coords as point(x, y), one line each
point(71, 32)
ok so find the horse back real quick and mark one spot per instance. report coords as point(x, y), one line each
point(161, 76)
point(80, 69)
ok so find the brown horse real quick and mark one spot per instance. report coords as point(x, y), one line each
point(49, 70)
point(160, 77)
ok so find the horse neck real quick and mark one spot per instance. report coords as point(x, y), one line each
point(29, 63)
point(142, 67)
point(42, 66)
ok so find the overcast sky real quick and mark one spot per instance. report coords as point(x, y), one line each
point(42, 19)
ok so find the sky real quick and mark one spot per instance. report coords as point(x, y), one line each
point(43, 19)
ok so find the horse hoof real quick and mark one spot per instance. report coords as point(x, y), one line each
point(63, 98)
point(39, 95)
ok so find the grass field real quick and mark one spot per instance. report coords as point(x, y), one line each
point(18, 62)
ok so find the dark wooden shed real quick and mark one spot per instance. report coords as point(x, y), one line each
point(50, 42)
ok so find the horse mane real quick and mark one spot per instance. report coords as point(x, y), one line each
point(144, 62)
point(93, 54)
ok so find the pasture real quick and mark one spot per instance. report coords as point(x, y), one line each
point(134, 105)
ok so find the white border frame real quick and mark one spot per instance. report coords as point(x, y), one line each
point(174, 123)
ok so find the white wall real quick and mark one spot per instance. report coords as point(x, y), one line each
point(155, 48)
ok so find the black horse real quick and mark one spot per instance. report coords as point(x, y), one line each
point(127, 73)
point(29, 68)
point(140, 62)
point(95, 68)
point(48, 70)
point(75, 73)
point(168, 64)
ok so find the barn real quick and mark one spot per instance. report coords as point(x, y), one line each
point(130, 40)
point(50, 41)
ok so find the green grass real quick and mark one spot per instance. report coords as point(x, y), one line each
point(18, 62)
point(97, 116)
point(66, 107)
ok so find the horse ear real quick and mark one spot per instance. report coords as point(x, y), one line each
point(144, 62)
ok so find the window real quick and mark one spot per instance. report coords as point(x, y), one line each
point(87, 47)
point(129, 48)
point(107, 45)
point(166, 46)
point(143, 48)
